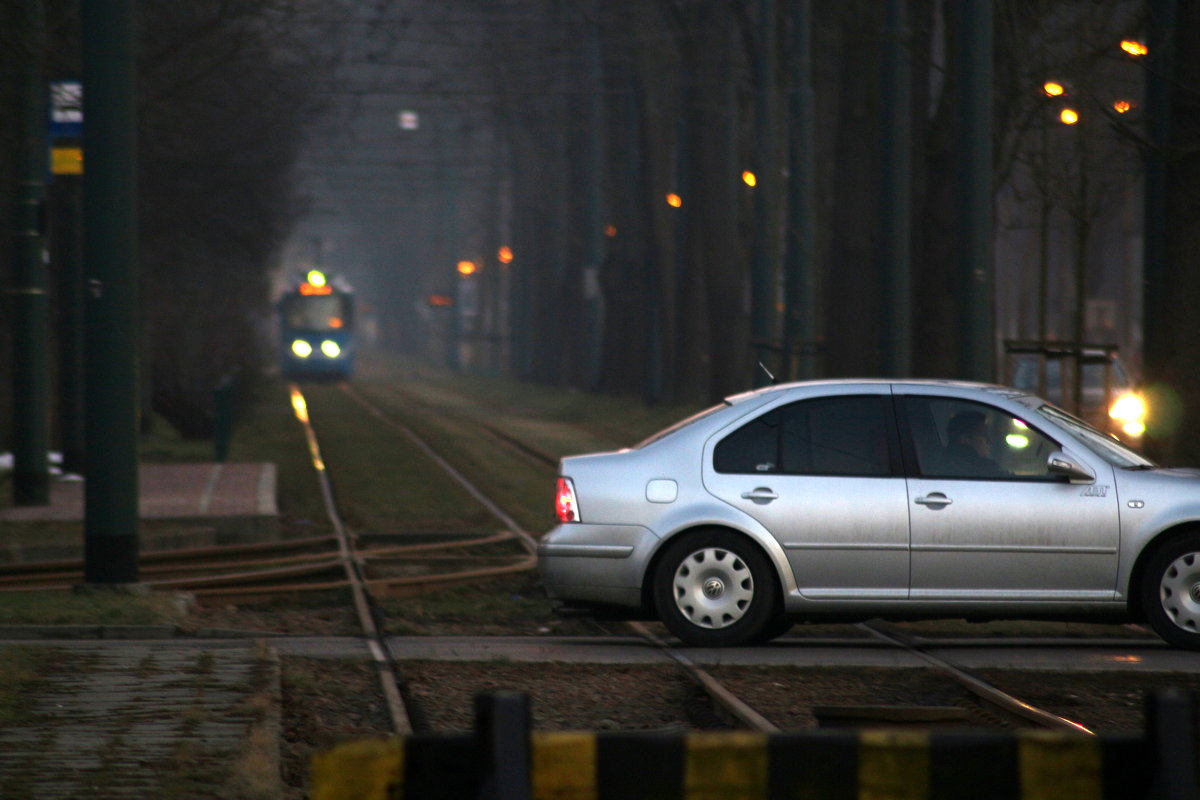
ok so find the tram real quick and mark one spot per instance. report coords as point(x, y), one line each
point(316, 328)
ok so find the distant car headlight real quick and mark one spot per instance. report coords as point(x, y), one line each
point(1130, 411)
point(301, 348)
point(330, 348)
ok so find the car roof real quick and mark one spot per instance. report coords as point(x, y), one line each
point(990, 388)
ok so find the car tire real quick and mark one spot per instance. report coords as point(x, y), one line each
point(715, 588)
point(1170, 591)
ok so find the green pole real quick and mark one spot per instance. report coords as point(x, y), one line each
point(111, 306)
point(975, 189)
point(594, 196)
point(895, 195)
point(70, 325)
point(1157, 320)
point(31, 475)
point(800, 329)
point(762, 269)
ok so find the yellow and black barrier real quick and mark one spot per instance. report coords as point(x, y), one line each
point(504, 760)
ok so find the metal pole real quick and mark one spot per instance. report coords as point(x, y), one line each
point(975, 189)
point(31, 437)
point(111, 305)
point(1082, 230)
point(1157, 321)
point(594, 198)
point(762, 274)
point(70, 327)
point(895, 197)
point(800, 328)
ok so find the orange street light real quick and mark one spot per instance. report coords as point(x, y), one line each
point(1068, 116)
point(504, 255)
point(466, 268)
point(749, 178)
point(674, 200)
point(1122, 106)
point(610, 231)
point(1054, 89)
point(1134, 47)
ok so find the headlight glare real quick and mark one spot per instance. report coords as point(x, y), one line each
point(302, 348)
point(330, 348)
point(1133, 428)
point(1129, 407)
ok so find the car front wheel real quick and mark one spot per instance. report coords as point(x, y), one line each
point(1171, 591)
point(715, 588)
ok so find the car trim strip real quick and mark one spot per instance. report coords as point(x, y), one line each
point(845, 546)
point(1012, 548)
point(586, 550)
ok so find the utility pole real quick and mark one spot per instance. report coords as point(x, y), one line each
point(111, 304)
point(975, 190)
point(799, 322)
point(762, 269)
point(1158, 322)
point(895, 211)
point(31, 437)
point(593, 215)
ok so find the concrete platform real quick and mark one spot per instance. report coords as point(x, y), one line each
point(136, 720)
point(236, 501)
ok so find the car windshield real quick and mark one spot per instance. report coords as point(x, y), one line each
point(1103, 445)
point(678, 426)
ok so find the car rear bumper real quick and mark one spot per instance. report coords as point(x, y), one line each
point(581, 563)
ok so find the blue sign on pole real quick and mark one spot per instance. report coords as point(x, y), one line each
point(66, 109)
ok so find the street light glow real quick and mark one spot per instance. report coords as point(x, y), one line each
point(1069, 116)
point(1134, 47)
point(749, 178)
point(1053, 89)
point(674, 200)
point(1122, 106)
point(504, 254)
point(466, 268)
point(610, 231)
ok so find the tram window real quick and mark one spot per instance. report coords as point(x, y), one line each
point(317, 313)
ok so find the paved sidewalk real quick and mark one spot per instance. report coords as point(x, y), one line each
point(172, 491)
point(148, 719)
point(234, 502)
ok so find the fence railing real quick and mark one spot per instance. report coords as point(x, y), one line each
point(504, 759)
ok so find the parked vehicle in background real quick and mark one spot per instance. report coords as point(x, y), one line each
point(1108, 397)
point(854, 499)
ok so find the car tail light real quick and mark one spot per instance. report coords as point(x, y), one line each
point(565, 506)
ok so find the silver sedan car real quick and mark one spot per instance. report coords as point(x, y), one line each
point(857, 499)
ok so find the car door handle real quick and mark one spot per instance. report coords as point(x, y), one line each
point(762, 494)
point(934, 500)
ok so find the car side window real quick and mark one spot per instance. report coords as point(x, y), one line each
point(962, 439)
point(752, 448)
point(827, 436)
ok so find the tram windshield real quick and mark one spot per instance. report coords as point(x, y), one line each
point(317, 313)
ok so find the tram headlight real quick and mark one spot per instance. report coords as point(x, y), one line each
point(330, 348)
point(301, 348)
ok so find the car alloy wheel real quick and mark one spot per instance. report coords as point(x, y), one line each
point(716, 588)
point(1171, 591)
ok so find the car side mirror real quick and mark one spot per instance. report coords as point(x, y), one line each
point(1060, 464)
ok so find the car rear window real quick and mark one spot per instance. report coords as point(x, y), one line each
point(678, 426)
point(827, 436)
